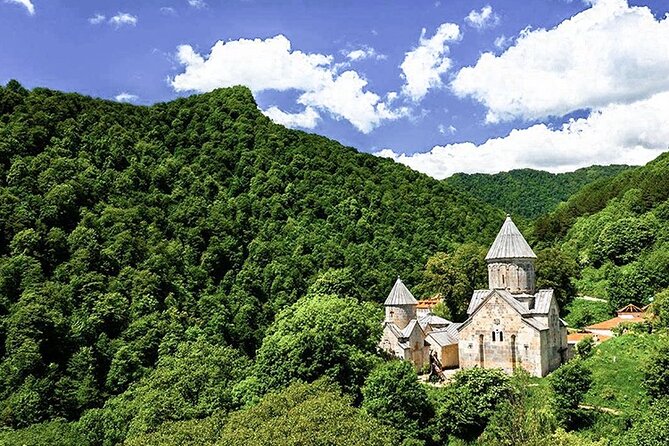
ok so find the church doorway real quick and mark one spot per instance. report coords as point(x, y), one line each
point(481, 358)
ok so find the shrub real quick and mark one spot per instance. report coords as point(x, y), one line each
point(393, 395)
point(322, 335)
point(570, 383)
point(585, 347)
point(467, 403)
point(524, 419)
point(656, 373)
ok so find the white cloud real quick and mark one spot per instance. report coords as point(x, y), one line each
point(631, 133)
point(199, 4)
point(444, 130)
point(25, 3)
point(423, 66)
point(364, 52)
point(126, 97)
point(485, 18)
point(270, 64)
point(502, 42)
point(306, 119)
point(609, 53)
point(123, 18)
point(168, 10)
point(345, 97)
point(97, 19)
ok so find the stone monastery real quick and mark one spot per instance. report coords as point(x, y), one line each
point(509, 325)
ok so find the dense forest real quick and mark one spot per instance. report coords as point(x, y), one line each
point(527, 192)
point(617, 230)
point(134, 237)
point(191, 273)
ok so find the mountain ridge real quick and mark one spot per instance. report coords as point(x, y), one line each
point(530, 193)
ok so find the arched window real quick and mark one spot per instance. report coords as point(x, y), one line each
point(493, 336)
point(501, 337)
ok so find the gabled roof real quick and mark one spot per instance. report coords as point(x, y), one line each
point(432, 319)
point(515, 304)
point(404, 333)
point(477, 299)
point(504, 294)
point(400, 295)
point(481, 296)
point(510, 244)
point(443, 337)
point(614, 322)
point(542, 301)
point(394, 329)
point(631, 308)
point(535, 323)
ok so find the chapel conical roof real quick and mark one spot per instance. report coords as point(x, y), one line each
point(400, 295)
point(510, 244)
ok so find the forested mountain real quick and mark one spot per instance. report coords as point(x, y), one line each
point(527, 192)
point(145, 250)
point(650, 179)
point(191, 273)
point(618, 231)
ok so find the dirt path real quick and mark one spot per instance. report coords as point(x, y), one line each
point(601, 409)
point(590, 298)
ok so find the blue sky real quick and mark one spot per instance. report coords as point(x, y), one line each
point(442, 86)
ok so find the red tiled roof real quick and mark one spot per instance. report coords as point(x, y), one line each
point(614, 322)
point(576, 337)
point(428, 303)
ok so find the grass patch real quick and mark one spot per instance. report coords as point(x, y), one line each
point(617, 370)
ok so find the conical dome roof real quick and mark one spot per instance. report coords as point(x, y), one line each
point(400, 295)
point(510, 244)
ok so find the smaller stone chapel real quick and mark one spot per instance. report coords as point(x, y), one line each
point(509, 325)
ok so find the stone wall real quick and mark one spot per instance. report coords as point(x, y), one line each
point(520, 344)
point(401, 314)
point(517, 276)
point(417, 352)
point(448, 355)
point(557, 339)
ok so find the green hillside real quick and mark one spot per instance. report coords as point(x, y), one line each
point(618, 231)
point(133, 239)
point(650, 180)
point(530, 193)
point(617, 367)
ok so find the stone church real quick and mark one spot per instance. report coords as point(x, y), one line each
point(402, 334)
point(509, 325)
